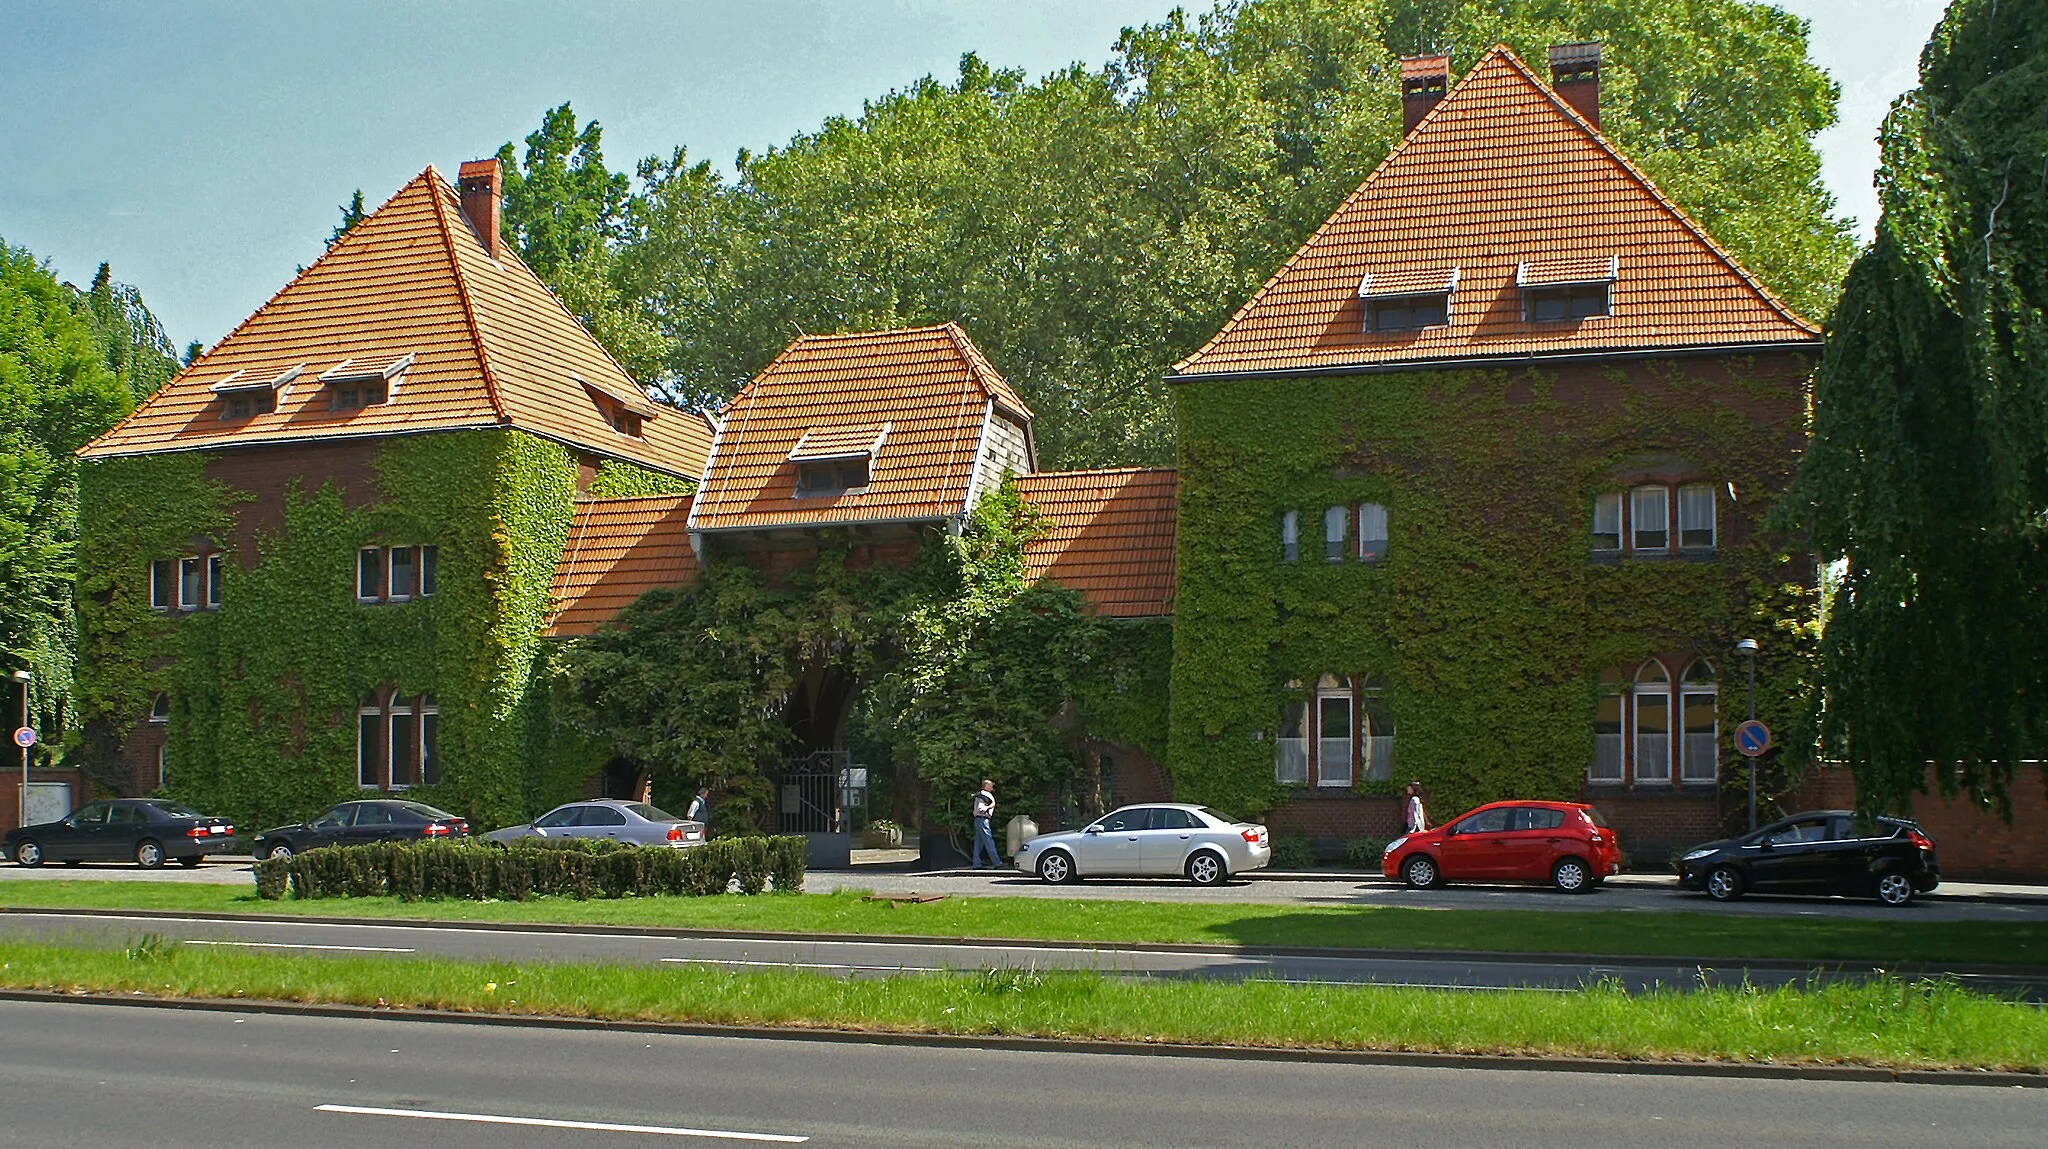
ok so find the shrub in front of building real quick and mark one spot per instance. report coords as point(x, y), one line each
point(410, 871)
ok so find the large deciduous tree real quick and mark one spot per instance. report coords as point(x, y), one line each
point(1928, 475)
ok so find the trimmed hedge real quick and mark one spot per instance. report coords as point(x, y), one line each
point(565, 869)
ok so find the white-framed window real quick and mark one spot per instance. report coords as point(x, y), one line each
point(369, 575)
point(1696, 516)
point(191, 583)
point(213, 565)
point(160, 585)
point(1290, 536)
point(430, 742)
point(401, 568)
point(1650, 519)
point(1334, 731)
point(1408, 312)
point(1334, 520)
point(1290, 760)
point(1608, 754)
point(369, 745)
point(1652, 711)
point(160, 707)
point(403, 754)
point(430, 564)
point(1700, 717)
point(1376, 729)
point(1372, 532)
point(1607, 521)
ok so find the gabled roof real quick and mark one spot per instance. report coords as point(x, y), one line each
point(490, 345)
point(1108, 535)
point(913, 400)
point(1502, 172)
point(618, 550)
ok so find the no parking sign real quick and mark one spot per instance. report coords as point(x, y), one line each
point(1752, 738)
point(25, 737)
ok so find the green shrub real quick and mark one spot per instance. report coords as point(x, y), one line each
point(1364, 853)
point(573, 868)
point(1292, 852)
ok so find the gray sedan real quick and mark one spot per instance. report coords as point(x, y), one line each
point(1156, 840)
point(635, 823)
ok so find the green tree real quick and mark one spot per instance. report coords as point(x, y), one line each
point(59, 387)
point(351, 214)
point(1927, 481)
point(132, 342)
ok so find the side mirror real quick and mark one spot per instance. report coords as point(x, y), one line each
point(1097, 829)
point(1767, 844)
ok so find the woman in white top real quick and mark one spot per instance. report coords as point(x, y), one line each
point(1417, 822)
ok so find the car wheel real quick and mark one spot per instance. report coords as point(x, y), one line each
point(278, 851)
point(28, 852)
point(1056, 868)
point(192, 863)
point(148, 854)
point(1894, 890)
point(1420, 871)
point(1206, 869)
point(1724, 884)
point(1572, 876)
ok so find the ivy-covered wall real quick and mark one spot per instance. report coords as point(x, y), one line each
point(1487, 619)
point(264, 690)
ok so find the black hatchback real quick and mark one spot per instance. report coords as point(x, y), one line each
point(354, 823)
point(1818, 852)
point(141, 830)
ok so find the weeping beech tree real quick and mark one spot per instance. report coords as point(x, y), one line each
point(1927, 480)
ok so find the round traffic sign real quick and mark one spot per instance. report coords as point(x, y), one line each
point(1752, 738)
point(25, 737)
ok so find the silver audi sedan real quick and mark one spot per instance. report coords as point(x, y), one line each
point(1158, 839)
point(635, 823)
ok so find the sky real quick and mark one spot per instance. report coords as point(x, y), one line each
point(204, 148)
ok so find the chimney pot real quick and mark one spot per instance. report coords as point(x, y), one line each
point(481, 183)
point(1575, 74)
point(1424, 80)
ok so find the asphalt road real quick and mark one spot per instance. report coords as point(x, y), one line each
point(881, 958)
point(95, 1075)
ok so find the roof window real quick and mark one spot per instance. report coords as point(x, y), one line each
point(248, 393)
point(836, 460)
point(1407, 301)
point(1567, 290)
point(625, 409)
point(364, 381)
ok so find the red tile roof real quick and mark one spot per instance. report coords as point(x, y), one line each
point(491, 346)
point(1108, 535)
point(1500, 173)
point(927, 387)
point(618, 550)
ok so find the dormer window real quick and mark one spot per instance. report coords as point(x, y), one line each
point(1567, 290)
point(625, 410)
point(364, 381)
point(831, 476)
point(626, 422)
point(836, 460)
point(249, 393)
point(1407, 300)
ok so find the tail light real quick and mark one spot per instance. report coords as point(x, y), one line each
point(1919, 839)
point(196, 832)
point(675, 832)
point(437, 830)
point(1256, 835)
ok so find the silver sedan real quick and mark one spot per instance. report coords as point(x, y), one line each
point(634, 823)
point(1159, 839)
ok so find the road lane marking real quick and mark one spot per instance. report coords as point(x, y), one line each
point(812, 965)
point(303, 946)
point(553, 1123)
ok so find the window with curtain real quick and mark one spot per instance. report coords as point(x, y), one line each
point(1333, 533)
point(213, 581)
point(1696, 516)
point(1607, 736)
point(1650, 519)
point(1607, 521)
point(1376, 728)
point(191, 584)
point(1290, 760)
point(1700, 753)
point(1333, 731)
point(1653, 723)
point(1372, 532)
point(1290, 536)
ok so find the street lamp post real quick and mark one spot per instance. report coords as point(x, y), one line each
point(23, 677)
point(1747, 648)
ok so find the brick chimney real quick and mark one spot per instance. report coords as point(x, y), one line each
point(1575, 74)
point(481, 183)
point(1424, 80)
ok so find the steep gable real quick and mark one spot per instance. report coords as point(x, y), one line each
point(411, 304)
point(1500, 188)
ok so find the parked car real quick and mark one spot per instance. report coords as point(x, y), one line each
point(354, 823)
point(635, 823)
point(142, 830)
point(1564, 843)
point(1156, 840)
point(1818, 852)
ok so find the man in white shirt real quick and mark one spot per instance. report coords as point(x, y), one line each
point(700, 806)
point(985, 809)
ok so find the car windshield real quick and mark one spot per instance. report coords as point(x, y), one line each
point(651, 813)
point(177, 810)
point(425, 811)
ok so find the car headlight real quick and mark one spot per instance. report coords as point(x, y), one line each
point(1696, 855)
point(1394, 845)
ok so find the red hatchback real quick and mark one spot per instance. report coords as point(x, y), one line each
point(1563, 843)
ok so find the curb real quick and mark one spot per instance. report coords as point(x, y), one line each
point(1520, 1062)
point(1485, 956)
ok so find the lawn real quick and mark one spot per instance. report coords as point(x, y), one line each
point(1885, 1023)
point(1902, 939)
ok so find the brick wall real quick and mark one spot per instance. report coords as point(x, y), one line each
point(1972, 843)
point(1653, 826)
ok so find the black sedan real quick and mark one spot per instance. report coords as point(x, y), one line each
point(1818, 852)
point(142, 830)
point(354, 823)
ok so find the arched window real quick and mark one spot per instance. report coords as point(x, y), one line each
point(369, 741)
point(1376, 728)
point(1334, 730)
point(1700, 753)
point(1334, 520)
point(1653, 724)
point(404, 754)
point(1290, 762)
point(1290, 536)
point(160, 708)
point(1607, 735)
point(430, 742)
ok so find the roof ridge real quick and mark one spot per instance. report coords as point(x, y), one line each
point(483, 359)
point(805, 336)
point(607, 500)
point(1050, 475)
point(995, 386)
point(1656, 193)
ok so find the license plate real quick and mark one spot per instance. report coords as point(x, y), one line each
point(216, 829)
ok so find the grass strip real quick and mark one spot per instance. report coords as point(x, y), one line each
point(1893, 939)
point(1888, 1023)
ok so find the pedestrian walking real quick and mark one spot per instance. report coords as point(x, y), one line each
point(1418, 821)
point(700, 806)
point(985, 809)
